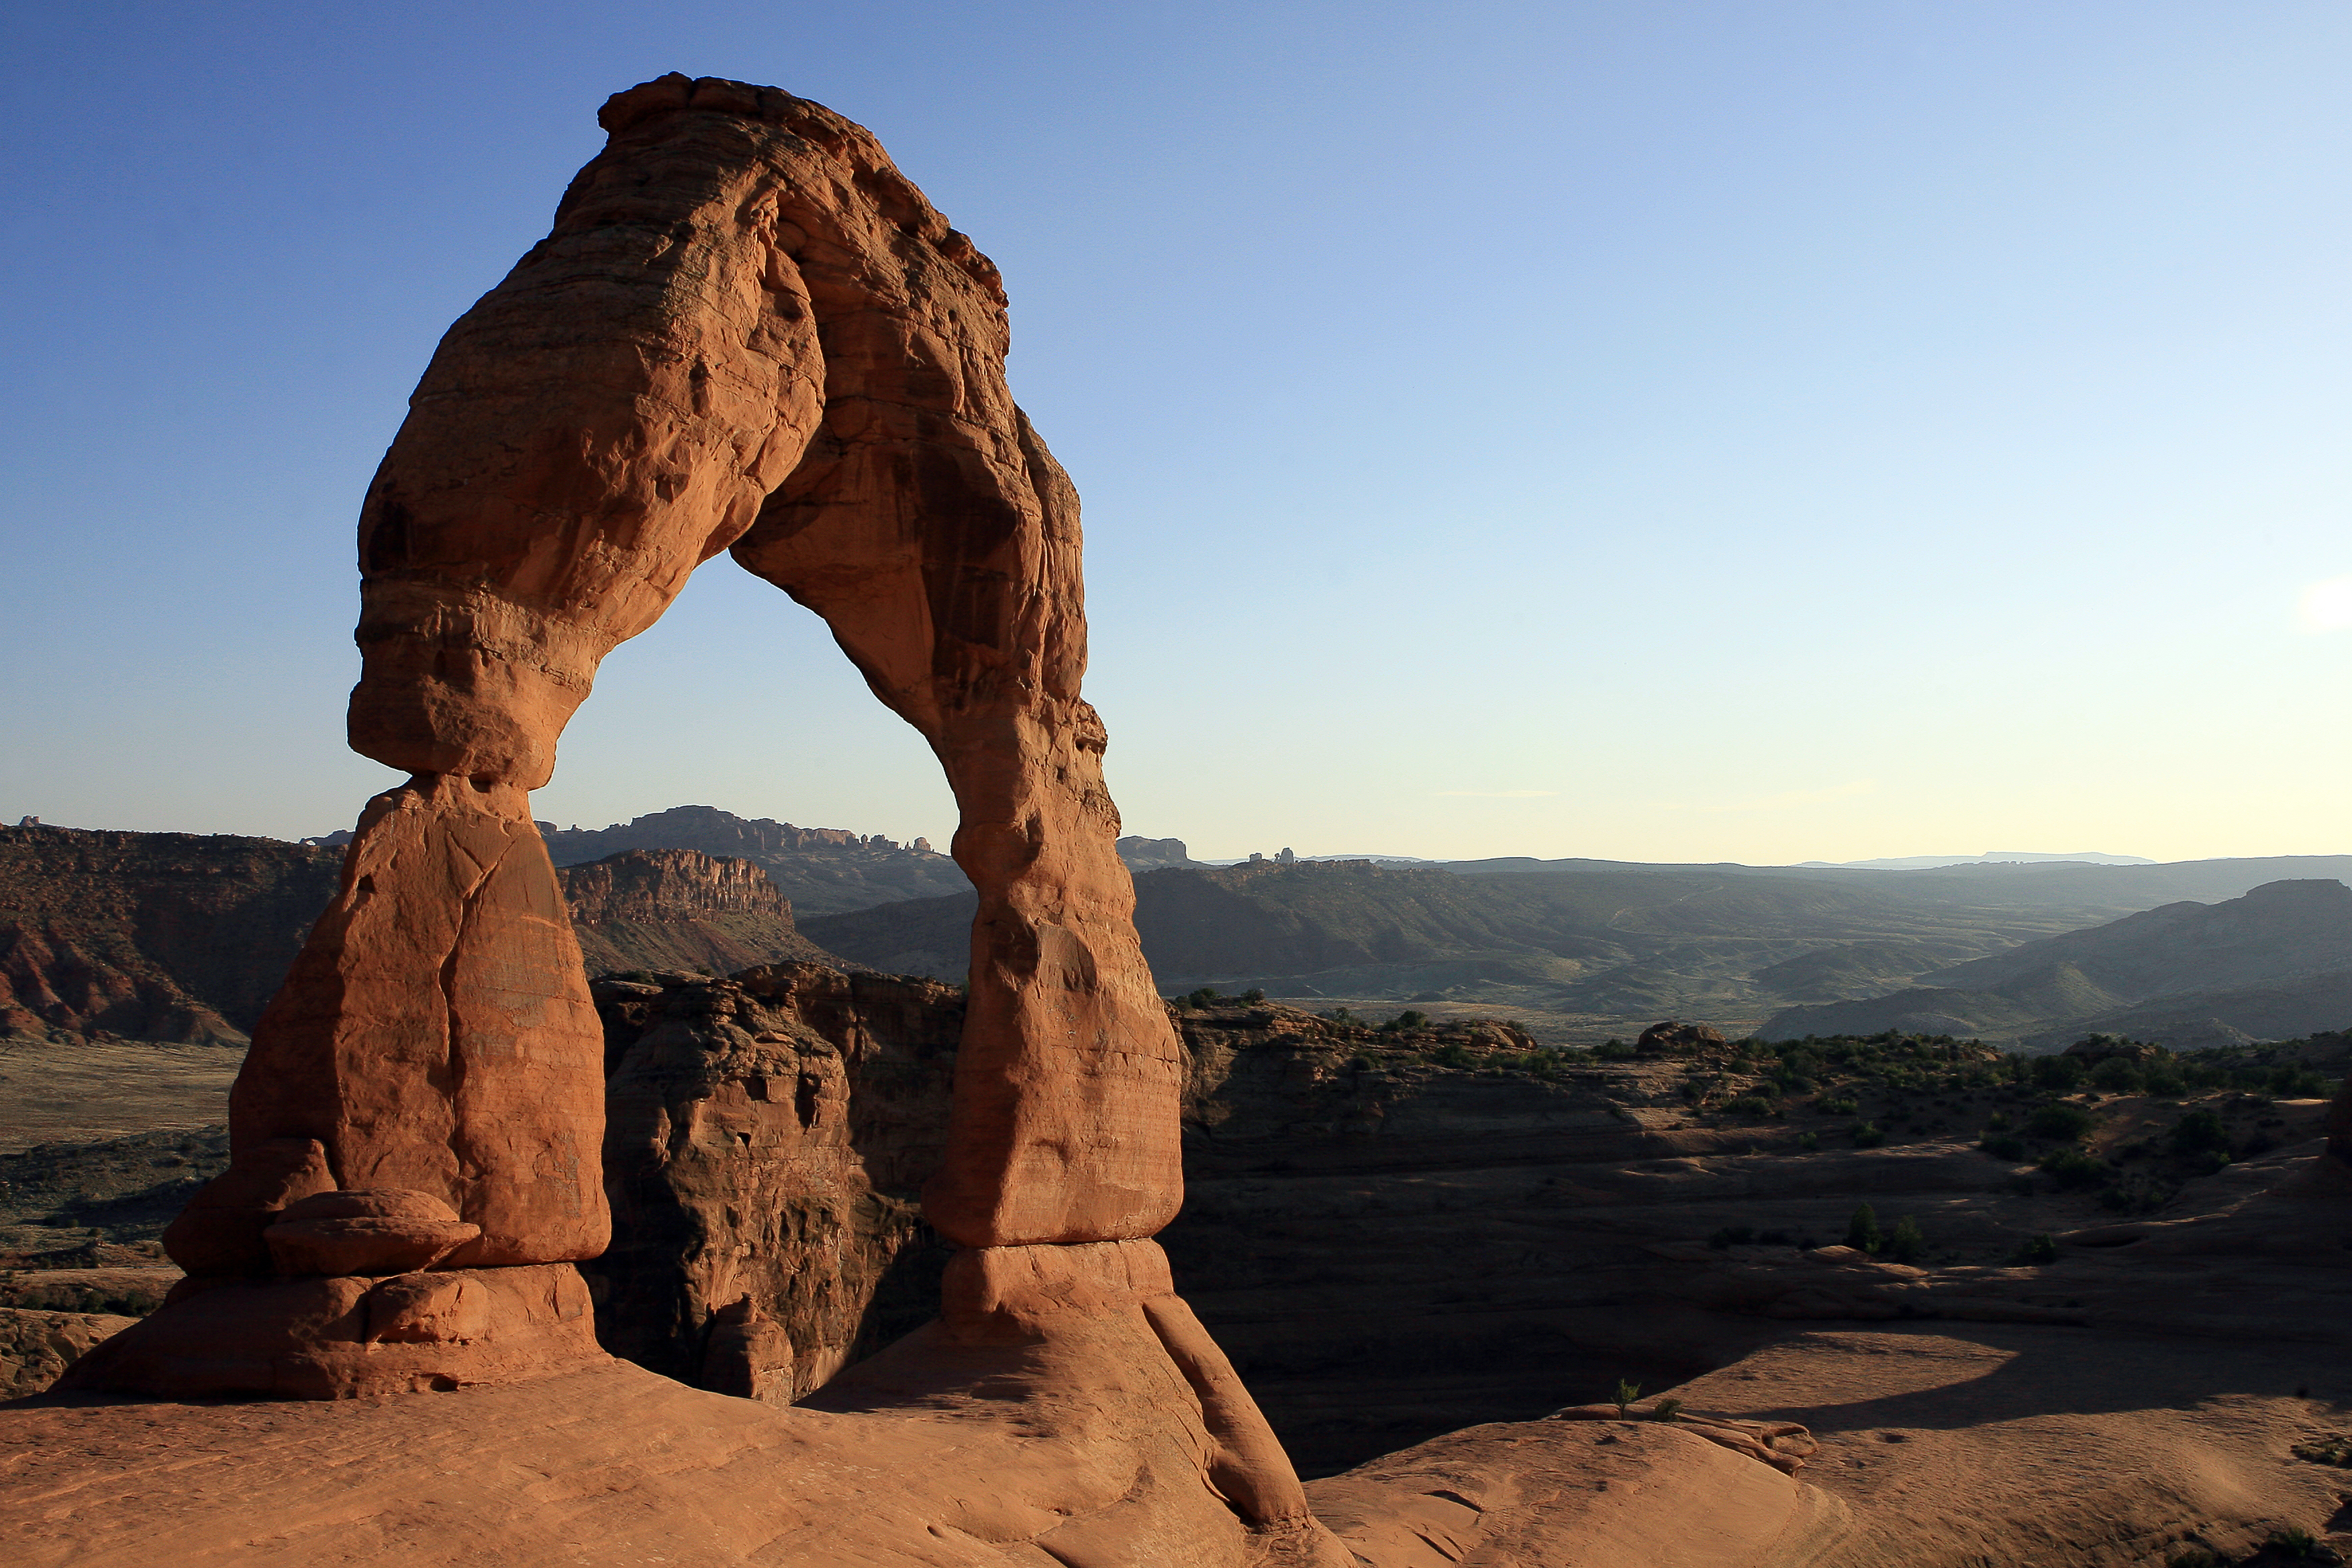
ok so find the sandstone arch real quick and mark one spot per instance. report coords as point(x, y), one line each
point(746, 331)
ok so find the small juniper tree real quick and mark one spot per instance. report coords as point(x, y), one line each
point(1861, 1232)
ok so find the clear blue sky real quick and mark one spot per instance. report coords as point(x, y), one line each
point(1762, 431)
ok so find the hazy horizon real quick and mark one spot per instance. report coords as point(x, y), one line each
point(1687, 433)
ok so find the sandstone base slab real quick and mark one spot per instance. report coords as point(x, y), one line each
point(349, 1337)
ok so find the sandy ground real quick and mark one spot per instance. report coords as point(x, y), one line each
point(51, 1093)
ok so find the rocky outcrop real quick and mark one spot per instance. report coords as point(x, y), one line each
point(36, 1345)
point(746, 330)
point(766, 1141)
point(149, 936)
point(680, 909)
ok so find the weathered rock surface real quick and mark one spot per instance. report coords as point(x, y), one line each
point(766, 1141)
point(680, 909)
point(36, 1345)
point(436, 1033)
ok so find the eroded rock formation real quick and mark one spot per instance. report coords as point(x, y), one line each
point(766, 1144)
point(746, 330)
point(680, 909)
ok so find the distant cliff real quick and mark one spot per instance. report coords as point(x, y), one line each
point(823, 870)
point(680, 909)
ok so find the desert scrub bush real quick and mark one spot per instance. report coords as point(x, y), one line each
point(1666, 1410)
point(2334, 1448)
point(2289, 1081)
point(2197, 1132)
point(1613, 1051)
point(1450, 1055)
point(1624, 1395)
point(1904, 1243)
point(2064, 1074)
point(1861, 1232)
point(1868, 1135)
point(1408, 1019)
point(1809, 1141)
point(2118, 1074)
point(2137, 1194)
point(2166, 1083)
point(1254, 996)
point(2036, 1250)
point(2059, 1122)
point(1750, 1105)
point(2296, 1543)
point(2072, 1169)
point(1838, 1105)
point(2003, 1146)
point(1997, 1121)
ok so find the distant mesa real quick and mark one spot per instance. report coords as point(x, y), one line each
point(1990, 857)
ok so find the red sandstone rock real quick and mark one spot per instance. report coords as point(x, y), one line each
point(437, 1034)
point(1672, 1038)
point(375, 1232)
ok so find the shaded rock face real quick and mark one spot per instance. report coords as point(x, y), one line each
point(150, 936)
point(766, 1141)
point(680, 909)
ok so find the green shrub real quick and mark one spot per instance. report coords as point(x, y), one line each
point(2336, 1448)
point(2059, 1120)
point(1666, 1410)
point(1613, 1051)
point(2199, 1131)
point(1748, 1105)
point(1861, 1232)
point(2164, 1083)
point(1624, 1395)
point(2136, 1194)
point(1905, 1244)
point(1254, 996)
point(2040, 1250)
point(1809, 1141)
point(1451, 1055)
point(1997, 1121)
point(2073, 1168)
point(1838, 1105)
point(2118, 1074)
point(1868, 1135)
point(2289, 1081)
point(2064, 1074)
point(2293, 1541)
point(2005, 1147)
point(1205, 995)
